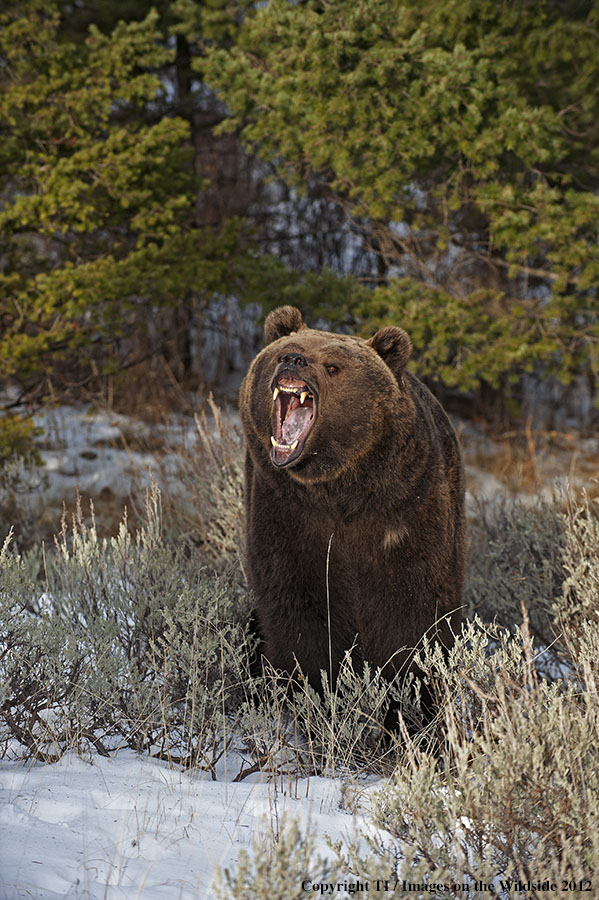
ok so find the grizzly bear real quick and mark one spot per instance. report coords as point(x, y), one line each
point(354, 497)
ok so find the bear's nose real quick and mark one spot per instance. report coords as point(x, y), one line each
point(293, 359)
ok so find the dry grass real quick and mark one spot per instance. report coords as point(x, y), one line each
point(526, 462)
point(207, 507)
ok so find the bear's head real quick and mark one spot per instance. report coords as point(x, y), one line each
point(315, 402)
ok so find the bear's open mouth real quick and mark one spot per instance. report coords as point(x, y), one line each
point(295, 414)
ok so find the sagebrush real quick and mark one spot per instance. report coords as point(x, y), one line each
point(133, 642)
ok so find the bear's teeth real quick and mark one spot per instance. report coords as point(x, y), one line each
point(290, 447)
point(275, 393)
point(303, 396)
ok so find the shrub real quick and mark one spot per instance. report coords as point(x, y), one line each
point(209, 511)
point(514, 792)
point(131, 643)
point(278, 870)
point(517, 561)
point(578, 603)
point(20, 469)
point(509, 790)
point(293, 731)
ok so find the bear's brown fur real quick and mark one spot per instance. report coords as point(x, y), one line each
point(354, 496)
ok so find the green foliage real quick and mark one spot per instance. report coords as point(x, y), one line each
point(98, 190)
point(87, 196)
point(20, 465)
point(460, 340)
point(17, 438)
point(463, 142)
point(214, 22)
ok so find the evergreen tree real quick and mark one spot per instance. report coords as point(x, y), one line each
point(100, 249)
point(462, 139)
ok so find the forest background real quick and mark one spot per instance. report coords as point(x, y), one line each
point(433, 165)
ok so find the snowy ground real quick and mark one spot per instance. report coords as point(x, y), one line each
point(104, 457)
point(109, 457)
point(101, 451)
point(129, 827)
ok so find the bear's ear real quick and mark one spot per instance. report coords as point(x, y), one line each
point(394, 347)
point(282, 321)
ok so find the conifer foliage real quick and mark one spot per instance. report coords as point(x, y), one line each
point(462, 139)
point(93, 194)
point(100, 245)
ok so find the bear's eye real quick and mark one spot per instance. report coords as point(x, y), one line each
point(331, 369)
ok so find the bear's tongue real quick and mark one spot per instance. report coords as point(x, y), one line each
point(295, 423)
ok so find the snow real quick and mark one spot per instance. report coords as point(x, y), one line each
point(87, 450)
point(129, 826)
point(96, 452)
point(113, 458)
point(102, 456)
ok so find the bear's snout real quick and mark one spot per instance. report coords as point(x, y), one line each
point(293, 359)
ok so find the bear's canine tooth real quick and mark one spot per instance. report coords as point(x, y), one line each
point(294, 445)
point(273, 441)
point(303, 396)
point(275, 393)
